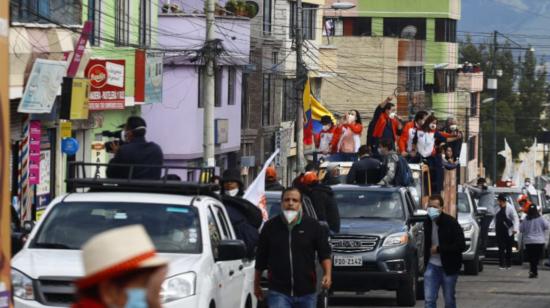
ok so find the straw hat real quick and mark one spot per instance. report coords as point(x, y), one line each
point(116, 252)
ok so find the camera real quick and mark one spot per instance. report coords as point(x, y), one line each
point(117, 135)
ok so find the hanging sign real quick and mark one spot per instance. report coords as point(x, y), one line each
point(69, 146)
point(107, 85)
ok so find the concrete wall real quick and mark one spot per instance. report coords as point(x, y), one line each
point(400, 8)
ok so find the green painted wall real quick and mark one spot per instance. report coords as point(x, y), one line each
point(377, 24)
point(409, 8)
point(440, 105)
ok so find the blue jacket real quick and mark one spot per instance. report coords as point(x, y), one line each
point(137, 151)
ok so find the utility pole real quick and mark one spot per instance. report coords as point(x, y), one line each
point(301, 74)
point(209, 88)
point(494, 75)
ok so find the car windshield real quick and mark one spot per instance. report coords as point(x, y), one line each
point(513, 199)
point(369, 204)
point(463, 204)
point(173, 228)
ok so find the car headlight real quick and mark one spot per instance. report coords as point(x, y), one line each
point(396, 239)
point(467, 227)
point(22, 285)
point(178, 287)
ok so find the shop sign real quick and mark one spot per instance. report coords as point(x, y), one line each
point(66, 129)
point(107, 85)
point(43, 196)
point(79, 99)
point(35, 135)
point(43, 86)
point(148, 71)
point(69, 146)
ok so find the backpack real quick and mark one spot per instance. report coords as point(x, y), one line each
point(403, 173)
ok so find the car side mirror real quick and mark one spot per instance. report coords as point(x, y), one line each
point(230, 250)
point(27, 227)
point(482, 211)
point(418, 216)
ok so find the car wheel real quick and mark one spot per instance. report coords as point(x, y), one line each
point(322, 299)
point(480, 266)
point(472, 267)
point(406, 292)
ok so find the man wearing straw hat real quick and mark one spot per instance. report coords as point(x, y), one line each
point(121, 270)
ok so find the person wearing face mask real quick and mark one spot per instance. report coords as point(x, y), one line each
point(245, 217)
point(386, 126)
point(121, 273)
point(443, 246)
point(506, 226)
point(136, 151)
point(323, 139)
point(451, 128)
point(288, 246)
point(406, 146)
point(350, 137)
point(528, 187)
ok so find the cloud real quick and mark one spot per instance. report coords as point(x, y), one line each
point(517, 4)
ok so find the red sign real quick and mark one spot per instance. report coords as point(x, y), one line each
point(107, 86)
point(35, 133)
point(79, 49)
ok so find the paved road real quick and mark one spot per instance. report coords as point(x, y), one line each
point(491, 289)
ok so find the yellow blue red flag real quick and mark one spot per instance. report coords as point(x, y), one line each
point(313, 111)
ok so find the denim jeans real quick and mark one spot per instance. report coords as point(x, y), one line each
point(434, 278)
point(280, 300)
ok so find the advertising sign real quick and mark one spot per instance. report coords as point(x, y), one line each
point(107, 87)
point(43, 86)
point(43, 189)
point(79, 99)
point(148, 70)
point(34, 152)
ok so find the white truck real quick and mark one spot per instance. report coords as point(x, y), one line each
point(187, 223)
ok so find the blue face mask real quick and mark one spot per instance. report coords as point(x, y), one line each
point(433, 212)
point(137, 298)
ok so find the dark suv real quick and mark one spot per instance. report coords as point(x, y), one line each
point(381, 242)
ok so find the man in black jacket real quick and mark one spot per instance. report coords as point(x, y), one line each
point(367, 170)
point(136, 151)
point(322, 198)
point(443, 247)
point(287, 248)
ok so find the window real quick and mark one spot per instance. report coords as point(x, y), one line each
point(201, 72)
point(411, 78)
point(67, 12)
point(473, 104)
point(357, 26)
point(226, 231)
point(244, 101)
point(218, 92)
point(214, 232)
point(309, 14)
point(231, 78)
point(445, 30)
point(445, 81)
point(399, 27)
point(267, 16)
point(266, 100)
point(145, 23)
point(95, 15)
point(289, 100)
point(122, 22)
point(472, 148)
point(275, 59)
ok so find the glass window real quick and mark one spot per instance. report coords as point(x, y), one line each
point(463, 204)
point(172, 228)
point(289, 100)
point(122, 22)
point(244, 101)
point(268, 4)
point(266, 100)
point(218, 87)
point(445, 30)
point(145, 23)
point(95, 15)
point(472, 148)
point(357, 26)
point(226, 230)
point(66, 12)
point(309, 14)
point(473, 104)
point(411, 78)
point(369, 204)
point(413, 28)
point(231, 78)
point(214, 232)
point(445, 81)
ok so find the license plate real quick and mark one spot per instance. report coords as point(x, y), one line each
point(348, 261)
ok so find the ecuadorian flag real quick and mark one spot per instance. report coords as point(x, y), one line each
point(313, 111)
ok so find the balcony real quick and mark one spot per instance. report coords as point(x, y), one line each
point(180, 31)
point(471, 82)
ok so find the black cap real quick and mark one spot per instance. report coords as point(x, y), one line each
point(232, 175)
point(134, 122)
point(326, 120)
point(502, 197)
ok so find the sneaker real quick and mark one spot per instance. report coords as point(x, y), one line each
point(532, 275)
point(501, 268)
point(508, 268)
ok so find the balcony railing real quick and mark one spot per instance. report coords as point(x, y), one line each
point(472, 82)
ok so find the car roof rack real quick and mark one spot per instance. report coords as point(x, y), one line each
point(195, 180)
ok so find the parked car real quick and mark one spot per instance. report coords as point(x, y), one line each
point(187, 223)
point(381, 242)
point(470, 219)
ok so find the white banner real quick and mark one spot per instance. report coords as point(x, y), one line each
point(256, 191)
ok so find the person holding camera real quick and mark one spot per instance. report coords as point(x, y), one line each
point(135, 151)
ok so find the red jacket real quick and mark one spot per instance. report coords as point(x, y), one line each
point(318, 136)
point(381, 125)
point(404, 138)
point(356, 128)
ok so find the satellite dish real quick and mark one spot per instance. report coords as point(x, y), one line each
point(409, 32)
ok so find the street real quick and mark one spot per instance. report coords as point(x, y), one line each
point(492, 288)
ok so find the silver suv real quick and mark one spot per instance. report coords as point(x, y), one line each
point(470, 218)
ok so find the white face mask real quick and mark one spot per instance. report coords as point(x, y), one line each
point(326, 127)
point(454, 127)
point(232, 192)
point(123, 136)
point(433, 126)
point(392, 115)
point(290, 215)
